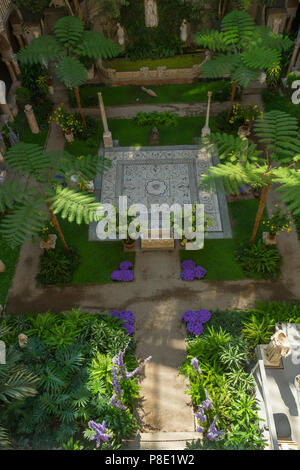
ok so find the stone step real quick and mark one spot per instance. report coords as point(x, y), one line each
point(161, 441)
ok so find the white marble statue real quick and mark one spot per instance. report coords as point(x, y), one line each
point(121, 35)
point(184, 31)
point(2, 353)
point(151, 16)
point(276, 25)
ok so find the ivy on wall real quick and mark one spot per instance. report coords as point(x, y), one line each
point(162, 41)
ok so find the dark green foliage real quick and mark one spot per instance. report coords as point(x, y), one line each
point(156, 119)
point(30, 74)
point(297, 224)
point(259, 260)
point(57, 267)
point(74, 383)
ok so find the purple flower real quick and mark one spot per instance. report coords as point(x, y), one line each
point(204, 315)
point(127, 276)
point(101, 434)
point(195, 364)
point(129, 375)
point(206, 404)
point(116, 275)
point(125, 265)
point(187, 275)
point(199, 429)
point(188, 264)
point(195, 328)
point(199, 272)
point(116, 403)
point(188, 315)
point(213, 434)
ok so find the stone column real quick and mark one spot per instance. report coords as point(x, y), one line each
point(206, 130)
point(18, 32)
point(34, 127)
point(10, 69)
point(2, 353)
point(107, 138)
point(295, 53)
point(3, 104)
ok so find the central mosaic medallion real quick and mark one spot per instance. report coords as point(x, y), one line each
point(162, 175)
point(156, 187)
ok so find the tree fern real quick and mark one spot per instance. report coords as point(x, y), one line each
point(10, 193)
point(233, 149)
point(289, 188)
point(44, 48)
point(95, 46)
point(237, 27)
point(243, 75)
point(87, 166)
point(27, 158)
point(259, 58)
point(212, 40)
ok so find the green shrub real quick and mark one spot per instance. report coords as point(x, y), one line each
point(258, 330)
point(156, 119)
point(23, 95)
point(297, 224)
point(259, 261)
point(57, 267)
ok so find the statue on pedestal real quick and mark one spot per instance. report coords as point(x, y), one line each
point(121, 35)
point(151, 16)
point(277, 348)
point(184, 31)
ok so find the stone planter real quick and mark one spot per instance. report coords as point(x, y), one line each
point(269, 239)
point(69, 137)
point(243, 132)
point(50, 243)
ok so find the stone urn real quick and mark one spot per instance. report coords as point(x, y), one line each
point(268, 238)
point(50, 243)
point(129, 244)
point(69, 136)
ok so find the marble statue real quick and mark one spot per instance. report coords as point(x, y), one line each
point(184, 31)
point(121, 35)
point(22, 340)
point(149, 92)
point(276, 25)
point(2, 353)
point(151, 16)
point(277, 348)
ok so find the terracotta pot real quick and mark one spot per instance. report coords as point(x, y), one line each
point(129, 246)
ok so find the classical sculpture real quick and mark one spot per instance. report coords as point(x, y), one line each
point(151, 16)
point(2, 353)
point(22, 340)
point(121, 35)
point(184, 31)
point(277, 348)
point(276, 25)
point(149, 92)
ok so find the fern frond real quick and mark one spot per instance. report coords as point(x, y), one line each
point(259, 58)
point(87, 166)
point(212, 40)
point(219, 65)
point(243, 75)
point(5, 442)
point(95, 45)
point(10, 193)
point(71, 72)
point(44, 48)
point(26, 220)
point(289, 188)
point(76, 206)
point(238, 27)
point(273, 41)
point(279, 131)
point(27, 158)
point(232, 148)
point(69, 31)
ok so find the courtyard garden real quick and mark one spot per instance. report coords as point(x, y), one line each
point(72, 380)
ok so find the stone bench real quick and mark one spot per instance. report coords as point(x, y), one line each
point(159, 243)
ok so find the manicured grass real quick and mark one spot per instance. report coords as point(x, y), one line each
point(98, 259)
point(217, 256)
point(174, 93)
point(129, 134)
point(177, 62)
point(9, 257)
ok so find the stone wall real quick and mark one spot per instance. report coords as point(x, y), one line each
point(144, 76)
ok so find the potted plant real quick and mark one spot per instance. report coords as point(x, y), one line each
point(179, 229)
point(48, 240)
point(69, 124)
point(278, 222)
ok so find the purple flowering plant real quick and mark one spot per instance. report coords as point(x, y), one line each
point(101, 435)
point(190, 271)
point(202, 416)
point(194, 321)
point(124, 273)
point(127, 319)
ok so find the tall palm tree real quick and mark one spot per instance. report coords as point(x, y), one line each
point(70, 43)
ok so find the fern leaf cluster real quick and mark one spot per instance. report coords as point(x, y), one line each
point(74, 206)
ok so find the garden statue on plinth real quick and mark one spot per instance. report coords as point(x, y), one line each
point(120, 35)
point(184, 31)
point(22, 340)
point(154, 136)
point(151, 15)
point(2, 353)
point(277, 348)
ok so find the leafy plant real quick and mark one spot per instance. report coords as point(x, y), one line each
point(258, 330)
point(165, 118)
point(260, 260)
point(56, 267)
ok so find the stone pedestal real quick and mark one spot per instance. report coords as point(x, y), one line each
point(268, 239)
point(277, 348)
point(107, 139)
point(50, 243)
point(34, 127)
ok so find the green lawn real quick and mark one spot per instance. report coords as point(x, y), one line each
point(129, 134)
point(174, 93)
point(20, 125)
point(9, 257)
point(282, 103)
point(177, 62)
point(98, 259)
point(217, 256)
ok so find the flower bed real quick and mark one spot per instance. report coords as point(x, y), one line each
point(87, 380)
point(218, 364)
point(124, 273)
point(190, 271)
